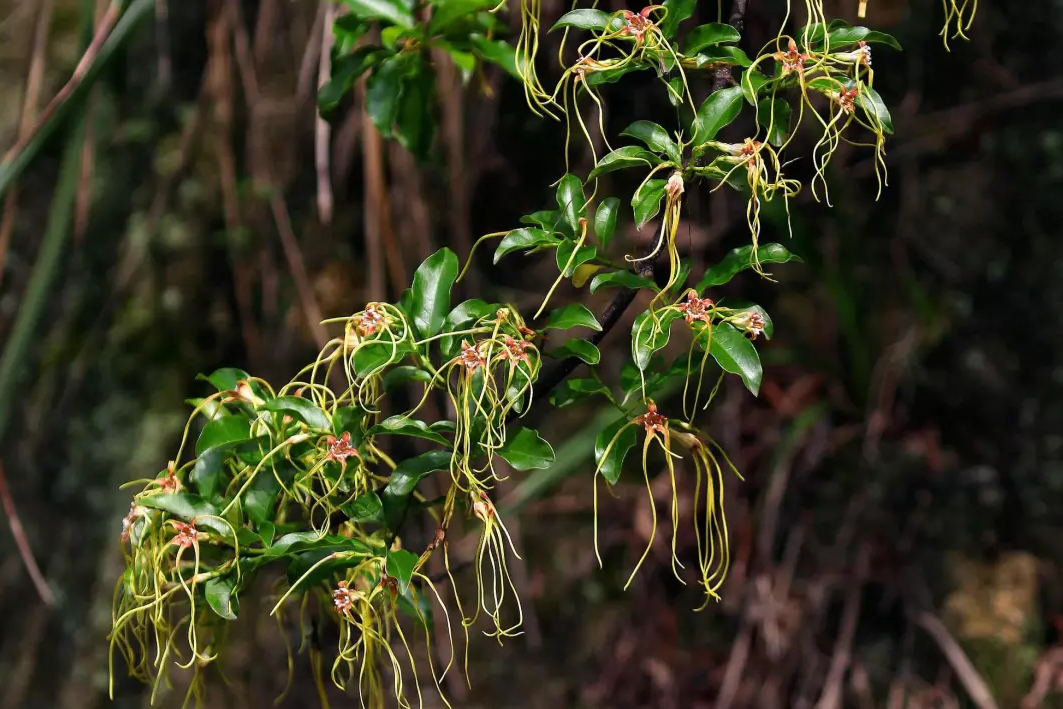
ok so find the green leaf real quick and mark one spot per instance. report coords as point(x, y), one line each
point(401, 376)
point(656, 138)
point(446, 12)
point(709, 35)
point(774, 115)
point(564, 254)
point(384, 90)
point(678, 10)
point(405, 426)
point(223, 431)
point(297, 542)
point(400, 565)
point(843, 36)
point(462, 317)
point(611, 76)
point(583, 19)
point(365, 509)
point(621, 279)
point(303, 409)
point(548, 219)
point(408, 473)
point(525, 449)
point(752, 82)
point(261, 497)
point(221, 597)
point(497, 52)
point(226, 378)
point(647, 201)
point(873, 105)
point(188, 507)
point(370, 357)
point(717, 111)
point(571, 391)
point(207, 473)
point(650, 333)
point(605, 220)
point(414, 125)
point(523, 239)
point(610, 458)
point(737, 355)
point(393, 11)
point(739, 259)
point(621, 158)
point(574, 315)
point(580, 349)
point(571, 200)
point(350, 419)
point(345, 70)
point(431, 291)
point(725, 54)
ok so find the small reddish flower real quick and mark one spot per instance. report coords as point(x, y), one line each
point(515, 350)
point(651, 420)
point(751, 322)
point(187, 534)
point(846, 99)
point(340, 449)
point(390, 583)
point(437, 538)
point(135, 511)
point(483, 508)
point(695, 309)
point(674, 187)
point(585, 65)
point(470, 356)
point(791, 59)
point(343, 598)
point(637, 24)
point(170, 484)
point(371, 320)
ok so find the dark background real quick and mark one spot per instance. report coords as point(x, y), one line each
point(898, 534)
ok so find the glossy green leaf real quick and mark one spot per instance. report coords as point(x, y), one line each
point(621, 158)
point(259, 500)
point(709, 35)
point(873, 105)
point(583, 19)
point(724, 55)
point(208, 472)
point(525, 449)
point(678, 10)
point(223, 431)
point(446, 12)
point(647, 201)
point(656, 139)
point(297, 542)
point(605, 220)
point(774, 116)
point(221, 597)
point(621, 279)
point(581, 349)
point(752, 82)
point(405, 426)
point(571, 200)
point(571, 391)
point(365, 509)
point(414, 124)
point(430, 291)
point(497, 52)
point(349, 419)
point(610, 449)
point(345, 70)
point(650, 333)
point(372, 356)
point(226, 378)
point(737, 355)
point(574, 315)
point(401, 376)
point(565, 256)
point(384, 90)
point(611, 76)
point(188, 507)
point(394, 11)
point(717, 111)
point(303, 409)
point(739, 259)
point(550, 220)
point(524, 239)
point(462, 317)
point(400, 565)
point(408, 473)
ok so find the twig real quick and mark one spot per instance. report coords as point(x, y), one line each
point(104, 30)
point(23, 544)
point(34, 79)
point(738, 15)
point(976, 687)
point(323, 131)
point(843, 647)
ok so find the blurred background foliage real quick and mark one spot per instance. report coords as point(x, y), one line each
point(898, 534)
